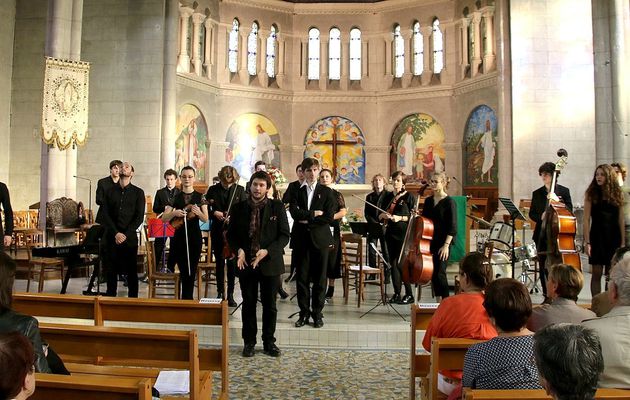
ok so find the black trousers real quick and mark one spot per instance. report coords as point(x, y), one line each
point(394, 247)
point(123, 259)
point(311, 267)
point(222, 265)
point(250, 280)
point(372, 258)
point(159, 245)
point(438, 279)
point(187, 272)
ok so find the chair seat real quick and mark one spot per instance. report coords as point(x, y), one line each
point(164, 275)
point(365, 269)
point(46, 261)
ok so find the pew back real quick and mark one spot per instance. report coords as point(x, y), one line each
point(537, 394)
point(65, 387)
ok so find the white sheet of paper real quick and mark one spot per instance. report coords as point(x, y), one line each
point(173, 382)
point(428, 305)
point(208, 300)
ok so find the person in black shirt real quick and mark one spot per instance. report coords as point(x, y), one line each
point(375, 226)
point(221, 197)
point(7, 231)
point(186, 244)
point(104, 184)
point(164, 197)
point(441, 209)
point(289, 194)
point(121, 213)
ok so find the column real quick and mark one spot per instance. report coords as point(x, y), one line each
point(242, 55)
point(389, 53)
point(427, 52)
point(489, 58)
point(345, 60)
point(208, 61)
point(408, 55)
point(169, 86)
point(620, 64)
point(323, 61)
point(476, 56)
point(280, 56)
point(304, 60)
point(504, 117)
point(463, 65)
point(197, 19)
point(183, 61)
point(262, 53)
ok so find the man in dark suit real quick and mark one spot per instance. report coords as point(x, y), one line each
point(537, 214)
point(290, 193)
point(165, 197)
point(7, 231)
point(312, 210)
point(257, 233)
point(104, 184)
point(375, 226)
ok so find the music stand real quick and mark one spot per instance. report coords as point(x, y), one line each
point(384, 300)
point(515, 214)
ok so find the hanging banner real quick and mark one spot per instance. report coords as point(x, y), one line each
point(65, 108)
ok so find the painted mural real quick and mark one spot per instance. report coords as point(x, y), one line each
point(252, 137)
point(480, 148)
point(417, 147)
point(337, 143)
point(191, 143)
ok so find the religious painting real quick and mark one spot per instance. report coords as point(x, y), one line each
point(337, 143)
point(480, 148)
point(252, 137)
point(191, 144)
point(417, 147)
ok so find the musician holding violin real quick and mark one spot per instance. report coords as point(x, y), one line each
point(189, 207)
point(441, 210)
point(400, 206)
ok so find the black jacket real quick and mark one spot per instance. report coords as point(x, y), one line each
point(539, 205)
point(274, 235)
point(291, 192)
point(219, 200)
point(11, 321)
point(375, 226)
point(163, 198)
point(316, 229)
point(8, 211)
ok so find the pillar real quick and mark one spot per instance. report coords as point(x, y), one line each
point(169, 85)
point(463, 65)
point(489, 57)
point(504, 117)
point(183, 61)
point(619, 64)
point(427, 53)
point(208, 60)
point(197, 19)
point(476, 55)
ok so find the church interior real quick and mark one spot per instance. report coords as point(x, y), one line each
point(483, 91)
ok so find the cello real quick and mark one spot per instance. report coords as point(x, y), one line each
point(415, 257)
point(560, 224)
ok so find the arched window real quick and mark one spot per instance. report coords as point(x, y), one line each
point(418, 50)
point(334, 55)
point(313, 54)
point(399, 53)
point(252, 49)
point(438, 48)
point(355, 54)
point(233, 47)
point(271, 51)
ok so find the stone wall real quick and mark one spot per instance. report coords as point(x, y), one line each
point(7, 22)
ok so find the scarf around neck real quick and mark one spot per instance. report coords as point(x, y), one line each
point(254, 224)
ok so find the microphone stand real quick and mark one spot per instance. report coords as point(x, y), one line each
point(89, 221)
point(384, 300)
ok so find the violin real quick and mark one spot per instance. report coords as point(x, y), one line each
point(415, 258)
point(227, 252)
point(178, 222)
point(560, 225)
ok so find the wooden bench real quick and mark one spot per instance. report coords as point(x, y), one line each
point(419, 363)
point(477, 394)
point(129, 347)
point(117, 309)
point(64, 387)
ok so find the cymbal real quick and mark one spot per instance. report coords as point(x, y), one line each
point(480, 221)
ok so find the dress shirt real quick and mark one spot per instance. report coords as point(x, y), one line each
point(123, 211)
point(310, 190)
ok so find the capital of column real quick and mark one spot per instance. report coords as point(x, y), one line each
point(476, 18)
point(185, 12)
point(464, 21)
point(426, 30)
point(198, 18)
point(487, 11)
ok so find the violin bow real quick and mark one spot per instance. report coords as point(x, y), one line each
point(370, 204)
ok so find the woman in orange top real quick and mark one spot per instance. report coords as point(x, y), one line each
point(463, 315)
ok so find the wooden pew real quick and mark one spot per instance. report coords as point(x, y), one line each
point(64, 387)
point(537, 394)
point(446, 353)
point(99, 345)
point(419, 363)
point(117, 309)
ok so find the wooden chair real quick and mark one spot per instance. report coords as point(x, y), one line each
point(207, 267)
point(352, 259)
point(41, 265)
point(159, 280)
point(70, 387)
point(419, 363)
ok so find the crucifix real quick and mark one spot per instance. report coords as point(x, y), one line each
point(335, 142)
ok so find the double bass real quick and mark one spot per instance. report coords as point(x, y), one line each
point(560, 224)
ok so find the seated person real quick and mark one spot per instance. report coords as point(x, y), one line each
point(569, 360)
point(614, 329)
point(463, 315)
point(507, 361)
point(600, 304)
point(17, 372)
point(564, 283)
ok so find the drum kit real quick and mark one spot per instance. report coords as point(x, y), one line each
point(499, 239)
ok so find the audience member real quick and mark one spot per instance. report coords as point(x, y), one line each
point(614, 329)
point(17, 372)
point(507, 361)
point(564, 283)
point(569, 361)
point(600, 304)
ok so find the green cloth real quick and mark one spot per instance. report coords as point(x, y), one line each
point(458, 248)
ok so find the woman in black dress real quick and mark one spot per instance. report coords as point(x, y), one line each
point(188, 201)
point(334, 256)
point(400, 205)
point(604, 225)
point(441, 210)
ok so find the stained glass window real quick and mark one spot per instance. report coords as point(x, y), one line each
point(355, 54)
point(334, 55)
point(399, 53)
point(233, 47)
point(313, 54)
point(418, 50)
point(438, 48)
point(271, 51)
point(252, 49)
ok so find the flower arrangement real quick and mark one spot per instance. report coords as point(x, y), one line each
point(276, 175)
point(355, 215)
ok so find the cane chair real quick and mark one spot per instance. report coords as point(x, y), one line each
point(207, 268)
point(355, 270)
point(159, 280)
point(41, 265)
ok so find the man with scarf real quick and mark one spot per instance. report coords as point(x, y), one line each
point(257, 233)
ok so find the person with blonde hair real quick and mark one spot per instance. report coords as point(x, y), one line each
point(564, 283)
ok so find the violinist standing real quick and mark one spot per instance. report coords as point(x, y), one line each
point(400, 206)
point(375, 226)
point(181, 249)
point(221, 197)
point(441, 210)
point(164, 197)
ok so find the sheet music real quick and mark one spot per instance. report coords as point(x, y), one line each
point(173, 382)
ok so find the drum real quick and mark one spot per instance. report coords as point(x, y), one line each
point(502, 233)
point(526, 252)
point(501, 265)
